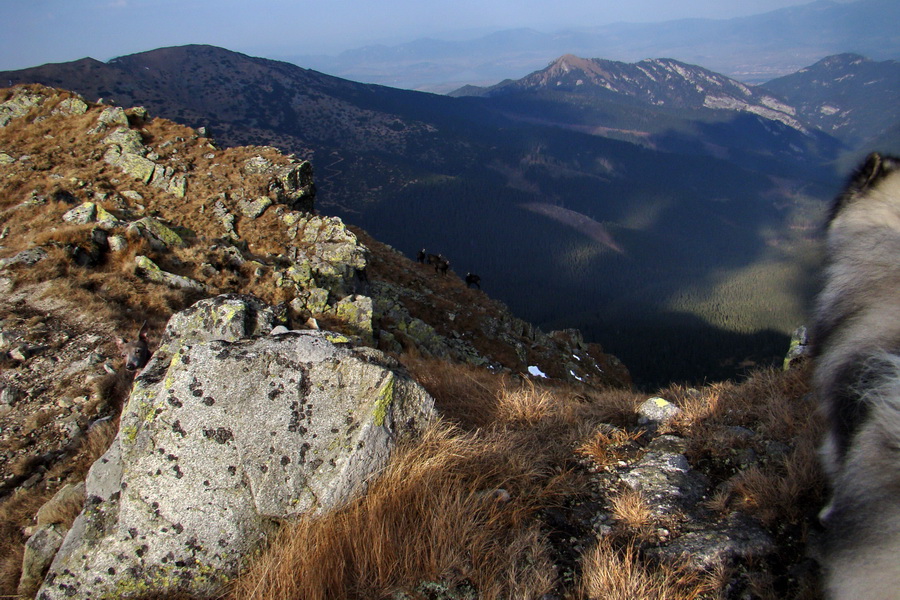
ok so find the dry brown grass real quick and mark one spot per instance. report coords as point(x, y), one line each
point(787, 490)
point(632, 509)
point(430, 516)
point(609, 445)
point(610, 573)
point(463, 394)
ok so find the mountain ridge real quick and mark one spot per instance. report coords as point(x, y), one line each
point(753, 49)
point(696, 199)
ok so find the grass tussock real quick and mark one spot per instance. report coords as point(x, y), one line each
point(611, 573)
point(432, 515)
point(632, 509)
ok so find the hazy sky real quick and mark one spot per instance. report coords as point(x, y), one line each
point(34, 32)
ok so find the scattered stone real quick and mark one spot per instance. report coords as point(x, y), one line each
point(253, 209)
point(22, 352)
point(149, 270)
point(657, 411)
point(226, 218)
point(9, 395)
point(799, 348)
point(159, 235)
point(71, 106)
point(81, 215)
point(25, 257)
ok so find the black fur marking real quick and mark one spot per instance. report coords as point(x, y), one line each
point(847, 410)
point(875, 168)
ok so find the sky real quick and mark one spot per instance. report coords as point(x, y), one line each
point(35, 32)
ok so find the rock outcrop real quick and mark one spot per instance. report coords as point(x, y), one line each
point(225, 432)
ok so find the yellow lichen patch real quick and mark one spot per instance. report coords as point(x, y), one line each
point(384, 399)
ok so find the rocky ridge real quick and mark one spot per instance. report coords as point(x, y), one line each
point(660, 82)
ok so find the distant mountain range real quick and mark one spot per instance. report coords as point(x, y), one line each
point(675, 212)
point(750, 49)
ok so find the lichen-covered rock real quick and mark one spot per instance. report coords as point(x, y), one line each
point(128, 140)
point(252, 209)
point(40, 549)
point(22, 101)
point(656, 411)
point(355, 312)
point(71, 106)
point(218, 440)
point(132, 164)
point(799, 348)
point(81, 214)
point(105, 219)
point(113, 116)
point(149, 270)
point(291, 185)
point(228, 317)
point(159, 235)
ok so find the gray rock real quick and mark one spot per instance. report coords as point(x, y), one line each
point(252, 209)
point(25, 257)
point(9, 395)
point(228, 317)
point(657, 411)
point(666, 479)
point(71, 106)
point(19, 105)
point(117, 243)
point(226, 218)
point(128, 140)
point(149, 270)
point(114, 116)
point(132, 164)
point(159, 235)
point(40, 549)
point(719, 544)
point(219, 439)
point(82, 214)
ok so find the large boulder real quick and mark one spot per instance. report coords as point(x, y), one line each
point(224, 435)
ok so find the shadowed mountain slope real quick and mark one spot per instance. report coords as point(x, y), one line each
point(696, 226)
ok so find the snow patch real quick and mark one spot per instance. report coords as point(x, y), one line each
point(536, 372)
